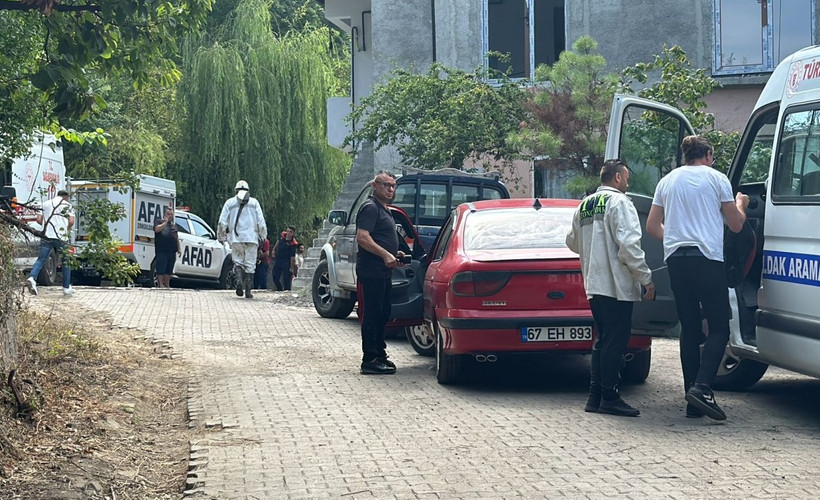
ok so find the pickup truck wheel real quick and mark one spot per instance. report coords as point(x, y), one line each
point(227, 278)
point(326, 304)
point(636, 370)
point(48, 274)
point(421, 339)
point(736, 374)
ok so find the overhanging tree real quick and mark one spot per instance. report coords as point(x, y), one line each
point(255, 109)
point(441, 118)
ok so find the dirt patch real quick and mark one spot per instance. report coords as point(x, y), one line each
point(106, 416)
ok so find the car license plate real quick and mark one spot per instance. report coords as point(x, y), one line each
point(556, 333)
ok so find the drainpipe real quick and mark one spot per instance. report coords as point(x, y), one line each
point(364, 35)
point(433, 15)
point(354, 35)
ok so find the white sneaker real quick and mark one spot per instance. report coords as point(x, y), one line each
point(68, 291)
point(32, 285)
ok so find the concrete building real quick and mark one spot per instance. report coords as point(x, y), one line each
point(739, 42)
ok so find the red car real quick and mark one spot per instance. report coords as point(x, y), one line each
point(501, 280)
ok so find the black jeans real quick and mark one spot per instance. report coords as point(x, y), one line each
point(374, 311)
point(701, 290)
point(613, 320)
point(282, 277)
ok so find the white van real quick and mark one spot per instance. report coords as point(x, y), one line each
point(34, 179)
point(203, 257)
point(777, 316)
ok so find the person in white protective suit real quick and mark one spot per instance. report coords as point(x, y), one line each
point(242, 224)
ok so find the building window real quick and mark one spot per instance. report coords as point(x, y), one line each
point(527, 32)
point(753, 36)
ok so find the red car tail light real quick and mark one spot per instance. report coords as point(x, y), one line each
point(479, 284)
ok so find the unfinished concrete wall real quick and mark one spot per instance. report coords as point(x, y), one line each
point(459, 26)
point(631, 31)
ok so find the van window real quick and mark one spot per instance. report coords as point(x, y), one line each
point(797, 171)
point(650, 142)
point(756, 168)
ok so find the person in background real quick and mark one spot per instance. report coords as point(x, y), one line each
point(242, 224)
point(262, 265)
point(688, 212)
point(299, 259)
point(166, 247)
point(283, 259)
point(606, 234)
point(57, 219)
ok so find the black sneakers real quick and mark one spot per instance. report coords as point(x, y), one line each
point(692, 412)
point(617, 406)
point(701, 397)
point(593, 400)
point(378, 366)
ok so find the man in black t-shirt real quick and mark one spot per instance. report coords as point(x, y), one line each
point(378, 254)
point(166, 246)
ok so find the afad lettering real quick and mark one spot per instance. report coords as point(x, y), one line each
point(197, 257)
point(149, 211)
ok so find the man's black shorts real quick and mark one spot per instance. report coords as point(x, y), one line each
point(165, 262)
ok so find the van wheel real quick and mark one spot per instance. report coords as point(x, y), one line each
point(736, 374)
point(326, 304)
point(636, 370)
point(227, 278)
point(48, 274)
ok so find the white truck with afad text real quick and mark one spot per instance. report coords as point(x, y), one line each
point(202, 258)
point(776, 317)
point(32, 180)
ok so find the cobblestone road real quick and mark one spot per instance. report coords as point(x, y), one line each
point(288, 416)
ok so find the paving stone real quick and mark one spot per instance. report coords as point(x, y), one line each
point(292, 418)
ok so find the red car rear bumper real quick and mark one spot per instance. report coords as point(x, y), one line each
point(475, 332)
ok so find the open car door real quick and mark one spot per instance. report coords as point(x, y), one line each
point(647, 136)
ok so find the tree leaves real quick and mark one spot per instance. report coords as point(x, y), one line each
point(441, 118)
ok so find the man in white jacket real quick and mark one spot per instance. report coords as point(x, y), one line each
point(606, 234)
point(242, 224)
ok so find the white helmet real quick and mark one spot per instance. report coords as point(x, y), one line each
point(241, 185)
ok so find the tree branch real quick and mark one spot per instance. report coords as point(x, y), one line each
point(12, 5)
point(11, 220)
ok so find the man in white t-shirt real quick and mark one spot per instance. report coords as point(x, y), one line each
point(687, 214)
point(57, 219)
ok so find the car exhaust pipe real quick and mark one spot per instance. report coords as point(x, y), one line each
point(629, 357)
point(486, 358)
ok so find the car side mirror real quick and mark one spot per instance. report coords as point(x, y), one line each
point(337, 217)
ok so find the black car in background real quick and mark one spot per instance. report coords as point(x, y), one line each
point(429, 197)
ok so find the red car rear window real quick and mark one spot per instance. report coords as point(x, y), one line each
point(518, 228)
